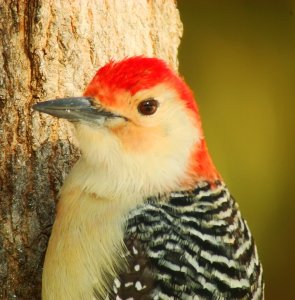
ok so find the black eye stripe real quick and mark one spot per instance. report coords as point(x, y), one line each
point(148, 106)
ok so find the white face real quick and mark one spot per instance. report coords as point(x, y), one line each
point(150, 153)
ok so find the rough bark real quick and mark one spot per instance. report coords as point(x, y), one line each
point(51, 49)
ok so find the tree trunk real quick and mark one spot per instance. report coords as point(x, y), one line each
point(52, 49)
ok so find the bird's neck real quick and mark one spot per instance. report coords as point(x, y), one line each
point(88, 231)
point(202, 167)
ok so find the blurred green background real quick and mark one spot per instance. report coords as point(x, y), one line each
point(239, 59)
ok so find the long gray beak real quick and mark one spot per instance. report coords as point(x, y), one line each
point(76, 109)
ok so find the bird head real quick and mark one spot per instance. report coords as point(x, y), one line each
point(138, 122)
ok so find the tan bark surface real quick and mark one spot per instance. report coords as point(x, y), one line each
point(51, 49)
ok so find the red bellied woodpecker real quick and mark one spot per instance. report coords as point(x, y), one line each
point(144, 214)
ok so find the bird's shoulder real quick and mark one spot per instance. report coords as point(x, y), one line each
point(189, 244)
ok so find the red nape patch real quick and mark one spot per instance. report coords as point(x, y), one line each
point(138, 73)
point(202, 166)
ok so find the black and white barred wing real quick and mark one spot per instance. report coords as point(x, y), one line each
point(193, 245)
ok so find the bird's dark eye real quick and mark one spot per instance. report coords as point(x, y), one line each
point(148, 107)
